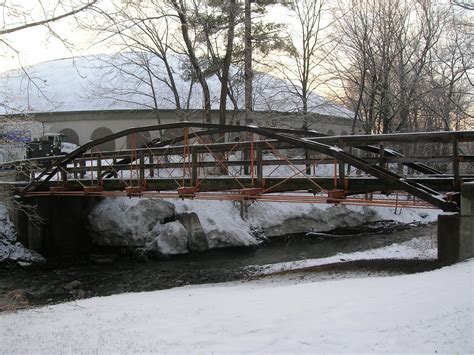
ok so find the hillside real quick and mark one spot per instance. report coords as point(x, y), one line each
point(116, 82)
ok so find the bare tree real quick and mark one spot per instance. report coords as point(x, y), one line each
point(181, 9)
point(383, 57)
point(16, 16)
point(308, 46)
point(141, 33)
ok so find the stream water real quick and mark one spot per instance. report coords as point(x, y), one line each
point(50, 283)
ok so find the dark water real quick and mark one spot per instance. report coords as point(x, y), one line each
point(46, 284)
point(299, 247)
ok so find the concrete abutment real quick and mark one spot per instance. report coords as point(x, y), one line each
point(63, 231)
point(456, 230)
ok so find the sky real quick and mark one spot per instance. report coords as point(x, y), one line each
point(38, 44)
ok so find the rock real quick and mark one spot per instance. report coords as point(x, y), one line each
point(13, 300)
point(168, 239)
point(126, 222)
point(280, 220)
point(73, 285)
point(139, 254)
point(102, 259)
point(196, 238)
point(80, 294)
point(10, 248)
point(221, 223)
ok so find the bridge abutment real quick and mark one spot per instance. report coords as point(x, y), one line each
point(456, 230)
point(63, 231)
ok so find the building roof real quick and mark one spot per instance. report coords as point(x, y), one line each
point(115, 82)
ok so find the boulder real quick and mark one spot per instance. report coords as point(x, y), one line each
point(126, 222)
point(220, 221)
point(168, 239)
point(196, 237)
point(282, 219)
point(10, 248)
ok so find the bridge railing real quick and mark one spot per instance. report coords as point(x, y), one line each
point(261, 161)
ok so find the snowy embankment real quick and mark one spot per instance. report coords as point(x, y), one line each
point(10, 248)
point(416, 249)
point(178, 227)
point(425, 312)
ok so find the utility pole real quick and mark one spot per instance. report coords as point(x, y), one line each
point(248, 75)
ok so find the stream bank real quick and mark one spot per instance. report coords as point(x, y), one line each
point(55, 282)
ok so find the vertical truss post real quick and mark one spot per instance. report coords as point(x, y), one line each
point(381, 155)
point(342, 172)
point(307, 157)
point(185, 152)
point(82, 164)
point(246, 156)
point(114, 162)
point(252, 159)
point(194, 166)
point(63, 174)
point(75, 165)
point(259, 154)
point(151, 162)
point(456, 175)
point(142, 168)
point(99, 169)
point(342, 176)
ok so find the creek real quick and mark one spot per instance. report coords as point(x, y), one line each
point(51, 282)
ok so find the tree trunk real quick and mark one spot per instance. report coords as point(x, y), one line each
point(226, 64)
point(180, 9)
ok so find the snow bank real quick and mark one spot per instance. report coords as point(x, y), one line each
point(10, 248)
point(127, 221)
point(216, 224)
point(168, 228)
point(415, 249)
point(220, 221)
point(277, 219)
point(287, 218)
point(429, 312)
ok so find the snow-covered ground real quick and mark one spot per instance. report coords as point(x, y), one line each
point(427, 312)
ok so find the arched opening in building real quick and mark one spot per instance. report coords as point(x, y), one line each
point(100, 133)
point(344, 133)
point(71, 135)
point(140, 139)
point(330, 132)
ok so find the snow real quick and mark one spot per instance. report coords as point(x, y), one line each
point(72, 84)
point(426, 312)
point(127, 221)
point(168, 239)
point(10, 248)
point(415, 249)
point(220, 221)
point(337, 149)
point(151, 222)
point(278, 219)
